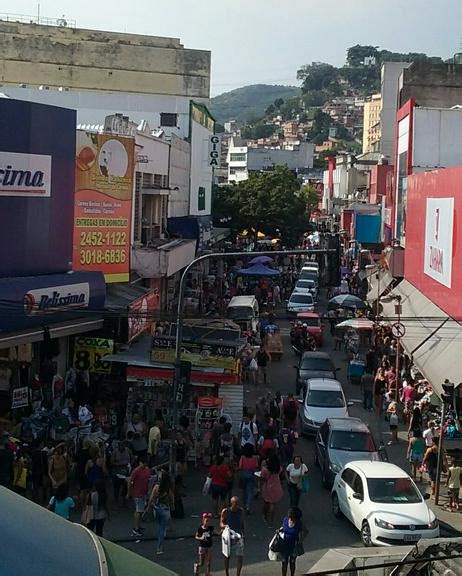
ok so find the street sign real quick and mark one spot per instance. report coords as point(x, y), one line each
point(398, 330)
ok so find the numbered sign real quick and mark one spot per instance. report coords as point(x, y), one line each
point(89, 354)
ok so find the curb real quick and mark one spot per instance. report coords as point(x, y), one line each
point(448, 531)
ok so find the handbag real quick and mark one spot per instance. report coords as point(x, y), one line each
point(277, 541)
point(299, 548)
point(253, 366)
point(206, 487)
point(87, 515)
point(305, 484)
point(21, 482)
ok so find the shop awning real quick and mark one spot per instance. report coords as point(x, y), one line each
point(120, 296)
point(378, 286)
point(432, 338)
point(77, 326)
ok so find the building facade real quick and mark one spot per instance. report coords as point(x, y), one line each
point(371, 123)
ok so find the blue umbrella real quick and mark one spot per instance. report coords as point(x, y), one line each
point(258, 270)
point(261, 260)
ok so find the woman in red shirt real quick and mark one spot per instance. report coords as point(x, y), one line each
point(248, 465)
point(220, 474)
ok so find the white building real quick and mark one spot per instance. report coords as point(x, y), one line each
point(243, 160)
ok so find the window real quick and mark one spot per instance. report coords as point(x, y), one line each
point(168, 119)
point(393, 491)
point(358, 487)
point(298, 298)
point(201, 198)
point(348, 476)
point(352, 441)
point(318, 364)
point(325, 399)
point(237, 157)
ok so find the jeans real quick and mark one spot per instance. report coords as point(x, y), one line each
point(367, 400)
point(162, 516)
point(294, 494)
point(248, 486)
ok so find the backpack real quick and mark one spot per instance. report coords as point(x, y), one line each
point(274, 410)
point(267, 446)
point(291, 411)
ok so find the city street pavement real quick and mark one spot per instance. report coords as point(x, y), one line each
point(325, 531)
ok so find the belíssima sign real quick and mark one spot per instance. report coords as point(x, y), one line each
point(25, 174)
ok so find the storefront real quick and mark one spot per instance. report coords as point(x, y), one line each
point(38, 315)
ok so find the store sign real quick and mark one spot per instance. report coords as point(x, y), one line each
point(88, 354)
point(103, 204)
point(20, 397)
point(439, 226)
point(199, 354)
point(141, 312)
point(25, 175)
point(215, 151)
point(209, 409)
point(56, 299)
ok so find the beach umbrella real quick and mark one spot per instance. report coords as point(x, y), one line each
point(346, 301)
point(258, 270)
point(261, 260)
point(357, 324)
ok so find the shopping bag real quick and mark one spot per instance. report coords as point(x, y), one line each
point(206, 487)
point(253, 366)
point(305, 484)
point(277, 541)
point(20, 482)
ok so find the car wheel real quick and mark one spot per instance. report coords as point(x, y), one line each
point(366, 537)
point(325, 478)
point(336, 506)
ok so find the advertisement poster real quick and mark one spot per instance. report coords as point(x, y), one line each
point(88, 354)
point(439, 226)
point(141, 313)
point(201, 355)
point(209, 409)
point(20, 397)
point(103, 202)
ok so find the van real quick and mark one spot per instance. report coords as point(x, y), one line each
point(244, 311)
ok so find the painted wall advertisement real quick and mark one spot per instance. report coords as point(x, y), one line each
point(88, 354)
point(103, 204)
point(199, 354)
point(439, 224)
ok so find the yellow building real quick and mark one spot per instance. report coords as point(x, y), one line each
point(371, 124)
point(33, 55)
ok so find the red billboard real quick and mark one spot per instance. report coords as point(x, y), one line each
point(434, 237)
point(141, 313)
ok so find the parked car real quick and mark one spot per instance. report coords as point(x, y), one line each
point(324, 398)
point(307, 287)
point(384, 504)
point(309, 274)
point(300, 303)
point(314, 365)
point(314, 325)
point(343, 440)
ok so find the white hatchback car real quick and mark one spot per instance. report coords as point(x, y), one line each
point(384, 504)
point(299, 302)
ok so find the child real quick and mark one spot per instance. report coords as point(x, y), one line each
point(453, 482)
point(204, 536)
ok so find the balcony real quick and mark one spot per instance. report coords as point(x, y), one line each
point(162, 258)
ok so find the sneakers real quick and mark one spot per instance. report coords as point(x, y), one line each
point(196, 568)
point(136, 532)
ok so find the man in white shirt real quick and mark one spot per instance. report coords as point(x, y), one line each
point(429, 434)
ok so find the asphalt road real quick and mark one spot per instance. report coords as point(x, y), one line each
point(325, 531)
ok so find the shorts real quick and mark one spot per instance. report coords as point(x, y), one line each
point(454, 493)
point(237, 548)
point(416, 458)
point(217, 491)
point(393, 427)
point(432, 474)
point(140, 504)
point(205, 551)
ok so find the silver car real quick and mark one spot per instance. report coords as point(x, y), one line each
point(324, 398)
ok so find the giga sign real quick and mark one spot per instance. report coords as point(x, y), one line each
point(25, 175)
point(439, 224)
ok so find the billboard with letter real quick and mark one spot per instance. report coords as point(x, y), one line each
point(141, 312)
point(88, 354)
point(104, 169)
point(37, 150)
point(433, 237)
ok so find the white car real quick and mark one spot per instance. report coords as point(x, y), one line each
point(384, 504)
point(299, 302)
point(324, 398)
point(306, 287)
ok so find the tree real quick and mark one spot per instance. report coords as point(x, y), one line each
point(269, 202)
point(315, 98)
point(259, 130)
point(319, 76)
point(279, 102)
point(311, 198)
point(270, 110)
point(357, 54)
point(321, 124)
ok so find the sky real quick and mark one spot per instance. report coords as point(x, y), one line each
point(266, 41)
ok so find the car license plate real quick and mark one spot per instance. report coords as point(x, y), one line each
point(412, 537)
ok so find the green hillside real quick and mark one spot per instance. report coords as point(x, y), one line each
point(248, 102)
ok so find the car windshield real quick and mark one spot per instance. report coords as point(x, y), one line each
point(309, 275)
point(301, 299)
point(352, 441)
point(325, 399)
point(393, 491)
point(317, 364)
point(305, 284)
point(239, 312)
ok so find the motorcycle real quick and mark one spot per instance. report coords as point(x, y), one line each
point(304, 345)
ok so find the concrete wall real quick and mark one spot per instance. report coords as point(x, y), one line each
point(93, 107)
point(262, 158)
point(201, 171)
point(391, 72)
point(180, 162)
point(96, 60)
point(432, 85)
point(437, 138)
